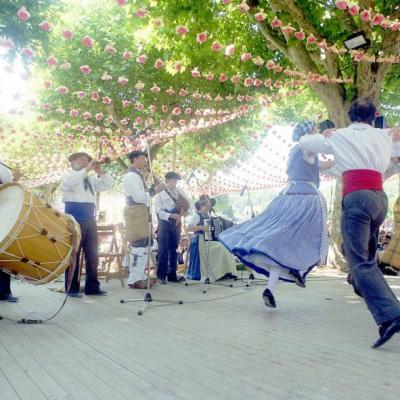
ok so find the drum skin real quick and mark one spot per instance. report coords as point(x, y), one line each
point(41, 244)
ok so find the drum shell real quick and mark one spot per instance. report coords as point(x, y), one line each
point(41, 244)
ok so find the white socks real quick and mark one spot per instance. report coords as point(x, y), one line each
point(274, 274)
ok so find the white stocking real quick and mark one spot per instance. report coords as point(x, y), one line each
point(138, 264)
point(274, 274)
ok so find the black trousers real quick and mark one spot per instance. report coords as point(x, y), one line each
point(168, 240)
point(89, 246)
point(5, 282)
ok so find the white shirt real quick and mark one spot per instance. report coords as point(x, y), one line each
point(165, 203)
point(5, 174)
point(194, 220)
point(359, 146)
point(73, 188)
point(132, 185)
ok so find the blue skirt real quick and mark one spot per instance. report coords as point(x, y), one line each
point(290, 233)
point(194, 269)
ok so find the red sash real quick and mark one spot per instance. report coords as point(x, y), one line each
point(361, 179)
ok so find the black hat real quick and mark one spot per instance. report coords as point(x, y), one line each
point(74, 156)
point(172, 175)
point(136, 153)
point(212, 201)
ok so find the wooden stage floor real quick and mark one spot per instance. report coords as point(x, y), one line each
point(223, 345)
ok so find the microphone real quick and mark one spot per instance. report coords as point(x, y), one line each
point(243, 190)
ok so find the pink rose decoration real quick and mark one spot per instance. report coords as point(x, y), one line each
point(195, 73)
point(126, 103)
point(270, 64)
point(188, 111)
point(99, 116)
point(260, 16)
point(201, 37)
point(23, 14)
point(110, 49)
point(139, 85)
point(300, 35)
point(123, 80)
point(159, 63)
point(138, 121)
point(65, 66)
point(62, 90)
point(354, 9)
point(142, 59)
point(87, 41)
point(182, 30)
point(106, 100)
point(248, 82)
point(81, 94)
point(155, 89)
point(52, 61)
point(110, 119)
point(176, 111)
point(341, 4)
point(183, 93)
point(127, 55)
point(122, 2)
point(245, 57)
point(46, 26)
point(378, 19)
point(223, 78)
point(74, 113)
point(85, 69)
point(153, 108)
point(178, 66)
point(226, 1)
point(216, 46)
point(27, 52)
point(209, 76)
point(365, 15)
point(158, 22)
point(243, 7)
point(170, 91)
point(87, 115)
point(276, 23)
point(288, 29)
point(67, 34)
point(257, 82)
point(164, 108)
point(235, 79)
point(311, 39)
point(278, 69)
point(230, 50)
point(141, 13)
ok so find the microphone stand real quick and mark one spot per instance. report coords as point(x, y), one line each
point(148, 298)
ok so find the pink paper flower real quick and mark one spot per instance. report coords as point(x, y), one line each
point(182, 30)
point(127, 55)
point(183, 93)
point(62, 90)
point(139, 85)
point(258, 61)
point(45, 25)
point(87, 41)
point(188, 111)
point(226, 1)
point(260, 16)
point(378, 19)
point(365, 15)
point(110, 49)
point(311, 39)
point(138, 120)
point(201, 37)
point(276, 23)
point(164, 108)
point(122, 2)
point(209, 76)
point(245, 57)
point(27, 52)
point(341, 4)
point(85, 69)
point(178, 66)
point(243, 7)
point(87, 115)
point(155, 89)
point(288, 29)
point(153, 108)
point(235, 79)
point(300, 35)
point(73, 113)
point(354, 9)
point(270, 64)
point(142, 59)
point(126, 103)
point(52, 61)
point(216, 46)
point(81, 94)
point(23, 14)
point(159, 63)
point(257, 82)
point(67, 34)
point(223, 78)
point(65, 66)
point(139, 107)
point(107, 100)
point(141, 13)
point(158, 22)
point(230, 50)
point(122, 80)
point(278, 68)
point(170, 91)
point(99, 116)
point(95, 96)
point(176, 111)
point(195, 73)
point(248, 82)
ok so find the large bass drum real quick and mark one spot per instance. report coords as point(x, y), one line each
point(37, 243)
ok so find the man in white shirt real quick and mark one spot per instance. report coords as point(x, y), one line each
point(362, 154)
point(136, 215)
point(5, 279)
point(168, 203)
point(78, 193)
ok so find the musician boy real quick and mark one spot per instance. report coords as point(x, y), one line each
point(78, 193)
point(136, 215)
point(168, 204)
point(5, 279)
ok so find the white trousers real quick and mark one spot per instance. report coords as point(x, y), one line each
point(138, 260)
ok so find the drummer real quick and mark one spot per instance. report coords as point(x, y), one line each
point(5, 279)
point(78, 192)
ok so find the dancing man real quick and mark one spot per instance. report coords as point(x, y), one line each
point(362, 154)
point(171, 205)
point(289, 238)
point(5, 279)
point(78, 192)
point(137, 219)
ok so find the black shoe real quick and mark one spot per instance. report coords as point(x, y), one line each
point(269, 299)
point(162, 281)
point(99, 293)
point(386, 332)
point(76, 295)
point(9, 298)
point(298, 279)
point(174, 279)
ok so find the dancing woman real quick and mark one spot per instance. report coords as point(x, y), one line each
point(289, 237)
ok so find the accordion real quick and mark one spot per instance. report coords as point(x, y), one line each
point(217, 226)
